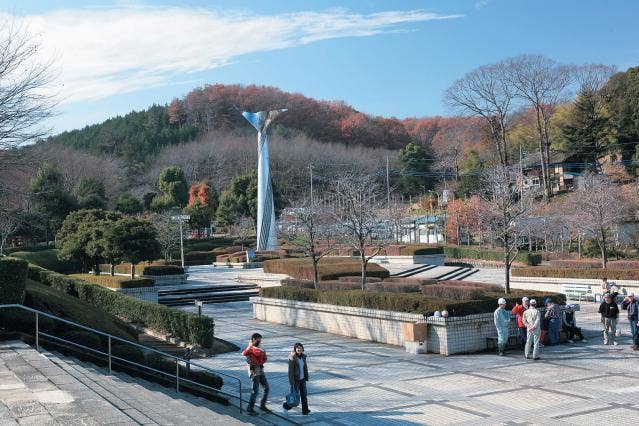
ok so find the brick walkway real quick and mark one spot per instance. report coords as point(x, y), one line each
point(354, 382)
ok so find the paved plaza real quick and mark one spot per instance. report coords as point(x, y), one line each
point(355, 382)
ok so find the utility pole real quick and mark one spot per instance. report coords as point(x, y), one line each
point(310, 168)
point(388, 182)
point(521, 181)
point(181, 219)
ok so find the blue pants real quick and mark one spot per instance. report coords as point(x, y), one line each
point(523, 334)
point(553, 330)
point(634, 330)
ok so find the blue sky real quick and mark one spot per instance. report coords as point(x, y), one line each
point(392, 58)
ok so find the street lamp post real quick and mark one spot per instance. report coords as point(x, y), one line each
point(181, 219)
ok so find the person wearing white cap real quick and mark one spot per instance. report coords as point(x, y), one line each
point(502, 321)
point(532, 320)
point(631, 304)
point(519, 311)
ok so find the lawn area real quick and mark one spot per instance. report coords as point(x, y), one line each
point(48, 259)
point(47, 299)
point(117, 281)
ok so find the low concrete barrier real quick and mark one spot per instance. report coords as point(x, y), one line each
point(163, 280)
point(556, 284)
point(366, 324)
point(149, 294)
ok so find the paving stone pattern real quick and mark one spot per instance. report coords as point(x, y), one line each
point(355, 382)
point(50, 389)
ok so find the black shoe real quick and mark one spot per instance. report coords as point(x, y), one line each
point(251, 412)
point(536, 359)
point(286, 406)
point(264, 408)
point(306, 413)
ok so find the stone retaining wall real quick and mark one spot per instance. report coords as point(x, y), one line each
point(445, 336)
point(149, 294)
point(366, 324)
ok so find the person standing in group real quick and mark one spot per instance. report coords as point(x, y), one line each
point(502, 322)
point(553, 314)
point(609, 313)
point(631, 304)
point(605, 285)
point(532, 321)
point(519, 311)
point(570, 325)
point(298, 376)
point(256, 358)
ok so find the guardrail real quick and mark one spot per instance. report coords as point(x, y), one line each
point(111, 357)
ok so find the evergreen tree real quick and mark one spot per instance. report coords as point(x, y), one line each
point(414, 160)
point(91, 193)
point(47, 192)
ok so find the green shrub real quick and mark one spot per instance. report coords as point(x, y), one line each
point(48, 259)
point(84, 338)
point(339, 285)
point(207, 244)
point(162, 270)
point(473, 252)
point(184, 325)
point(415, 250)
point(13, 274)
point(329, 268)
point(393, 287)
point(114, 282)
point(128, 352)
point(533, 259)
point(398, 302)
point(592, 273)
point(199, 257)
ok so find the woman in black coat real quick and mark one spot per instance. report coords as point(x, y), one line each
point(298, 376)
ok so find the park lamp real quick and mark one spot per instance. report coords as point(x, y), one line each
point(181, 218)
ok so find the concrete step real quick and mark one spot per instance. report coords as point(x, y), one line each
point(207, 294)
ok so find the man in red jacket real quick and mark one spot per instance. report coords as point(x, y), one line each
point(519, 311)
point(256, 358)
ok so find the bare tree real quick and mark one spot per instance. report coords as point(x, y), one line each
point(24, 106)
point(598, 206)
point(167, 233)
point(310, 230)
point(9, 224)
point(504, 213)
point(484, 92)
point(243, 228)
point(360, 217)
point(543, 84)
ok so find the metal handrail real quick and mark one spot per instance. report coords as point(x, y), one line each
point(110, 356)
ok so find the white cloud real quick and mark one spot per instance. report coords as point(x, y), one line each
point(102, 52)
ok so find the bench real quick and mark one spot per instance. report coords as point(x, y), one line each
point(579, 290)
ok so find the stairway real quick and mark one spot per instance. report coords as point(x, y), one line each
point(211, 293)
point(414, 271)
point(457, 274)
point(50, 388)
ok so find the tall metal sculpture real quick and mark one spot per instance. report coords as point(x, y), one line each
point(266, 234)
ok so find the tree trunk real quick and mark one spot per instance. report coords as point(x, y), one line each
point(507, 275)
point(604, 249)
point(364, 267)
point(96, 269)
point(315, 275)
point(112, 269)
point(132, 270)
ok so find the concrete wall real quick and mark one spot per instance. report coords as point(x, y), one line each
point(150, 294)
point(418, 259)
point(366, 324)
point(445, 336)
point(162, 280)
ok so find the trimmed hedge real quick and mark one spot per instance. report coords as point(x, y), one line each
point(594, 264)
point(158, 270)
point(470, 252)
point(411, 303)
point(414, 250)
point(13, 274)
point(329, 268)
point(114, 282)
point(125, 268)
point(598, 273)
point(184, 325)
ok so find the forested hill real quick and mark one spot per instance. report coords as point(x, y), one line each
point(139, 136)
